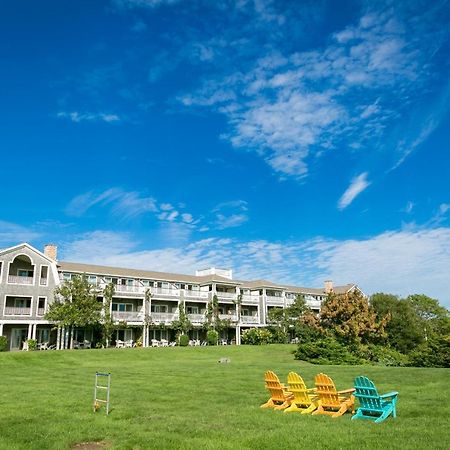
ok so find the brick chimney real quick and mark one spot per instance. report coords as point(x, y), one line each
point(51, 251)
point(328, 286)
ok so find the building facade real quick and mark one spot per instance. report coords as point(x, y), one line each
point(145, 303)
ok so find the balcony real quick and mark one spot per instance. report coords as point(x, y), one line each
point(196, 294)
point(196, 318)
point(17, 311)
point(124, 289)
point(168, 292)
point(163, 317)
point(232, 317)
point(127, 316)
point(275, 299)
point(16, 279)
point(250, 319)
point(227, 295)
point(314, 304)
point(250, 298)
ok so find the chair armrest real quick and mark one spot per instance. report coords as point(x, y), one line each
point(312, 389)
point(346, 391)
point(389, 394)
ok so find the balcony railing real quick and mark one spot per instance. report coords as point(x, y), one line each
point(250, 298)
point(196, 294)
point(228, 317)
point(41, 311)
point(17, 311)
point(16, 279)
point(314, 304)
point(127, 316)
point(275, 299)
point(196, 318)
point(249, 319)
point(43, 281)
point(123, 288)
point(228, 295)
point(163, 317)
point(166, 291)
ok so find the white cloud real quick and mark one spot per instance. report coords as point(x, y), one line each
point(357, 185)
point(399, 262)
point(230, 214)
point(13, 233)
point(78, 117)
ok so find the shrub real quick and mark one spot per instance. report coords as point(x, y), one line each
point(139, 342)
point(3, 343)
point(212, 337)
point(278, 336)
point(183, 340)
point(433, 353)
point(326, 351)
point(256, 336)
point(31, 344)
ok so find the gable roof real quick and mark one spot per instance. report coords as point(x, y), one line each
point(29, 247)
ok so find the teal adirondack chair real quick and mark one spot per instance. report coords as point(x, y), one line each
point(373, 406)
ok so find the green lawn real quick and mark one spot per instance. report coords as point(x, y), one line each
point(182, 398)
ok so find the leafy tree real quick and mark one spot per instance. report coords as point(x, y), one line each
point(183, 324)
point(108, 325)
point(351, 319)
point(75, 305)
point(212, 316)
point(404, 330)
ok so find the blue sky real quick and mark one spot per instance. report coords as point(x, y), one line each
point(294, 141)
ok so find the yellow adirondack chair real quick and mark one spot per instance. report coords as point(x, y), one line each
point(305, 401)
point(331, 401)
point(280, 397)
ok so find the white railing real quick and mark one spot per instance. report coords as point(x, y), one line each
point(123, 288)
point(275, 299)
point(250, 298)
point(163, 317)
point(196, 294)
point(249, 319)
point(228, 316)
point(17, 311)
point(166, 291)
point(43, 281)
point(196, 318)
point(314, 304)
point(41, 311)
point(15, 279)
point(230, 295)
point(127, 316)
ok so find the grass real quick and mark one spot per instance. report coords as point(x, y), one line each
point(181, 398)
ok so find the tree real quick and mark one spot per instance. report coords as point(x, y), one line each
point(350, 318)
point(108, 326)
point(212, 316)
point(75, 305)
point(404, 330)
point(183, 324)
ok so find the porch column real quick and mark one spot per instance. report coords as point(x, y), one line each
point(30, 331)
point(144, 336)
point(58, 338)
point(1, 329)
point(238, 335)
point(34, 330)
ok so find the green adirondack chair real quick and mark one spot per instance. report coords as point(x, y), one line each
point(373, 406)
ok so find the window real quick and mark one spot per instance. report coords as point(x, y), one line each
point(130, 282)
point(41, 306)
point(245, 312)
point(92, 279)
point(67, 276)
point(122, 307)
point(192, 309)
point(24, 273)
point(159, 308)
point(146, 283)
point(44, 276)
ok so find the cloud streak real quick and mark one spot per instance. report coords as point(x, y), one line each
point(357, 185)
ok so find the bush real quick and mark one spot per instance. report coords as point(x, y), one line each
point(326, 351)
point(278, 336)
point(256, 336)
point(183, 340)
point(433, 353)
point(32, 344)
point(212, 337)
point(3, 343)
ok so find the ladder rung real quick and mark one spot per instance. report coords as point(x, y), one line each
point(102, 401)
point(102, 387)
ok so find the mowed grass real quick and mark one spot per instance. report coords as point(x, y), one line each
point(181, 398)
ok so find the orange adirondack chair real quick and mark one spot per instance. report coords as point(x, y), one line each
point(280, 397)
point(331, 401)
point(305, 401)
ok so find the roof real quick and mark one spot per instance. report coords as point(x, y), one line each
point(94, 269)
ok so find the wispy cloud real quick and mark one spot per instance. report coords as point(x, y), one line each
point(14, 233)
point(357, 185)
point(230, 214)
point(400, 262)
point(78, 117)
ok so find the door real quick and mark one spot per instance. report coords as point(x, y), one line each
point(18, 335)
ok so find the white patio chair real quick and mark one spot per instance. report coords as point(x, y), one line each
point(164, 343)
point(42, 346)
point(25, 346)
point(120, 344)
point(129, 344)
point(87, 344)
point(155, 343)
